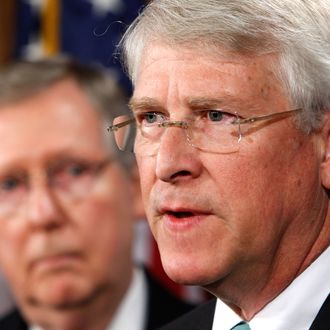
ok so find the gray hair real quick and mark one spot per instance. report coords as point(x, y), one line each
point(298, 31)
point(23, 79)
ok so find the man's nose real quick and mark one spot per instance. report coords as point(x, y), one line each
point(43, 209)
point(176, 157)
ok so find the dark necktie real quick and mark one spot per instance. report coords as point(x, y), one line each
point(241, 326)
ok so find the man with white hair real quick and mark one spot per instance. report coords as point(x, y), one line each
point(231, 128)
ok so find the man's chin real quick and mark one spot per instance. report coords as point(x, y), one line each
point(65, 295)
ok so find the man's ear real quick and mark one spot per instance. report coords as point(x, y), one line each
point(325, 150)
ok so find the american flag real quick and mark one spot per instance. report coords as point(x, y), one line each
point(86, 29)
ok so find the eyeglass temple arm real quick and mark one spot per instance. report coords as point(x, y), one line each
point(115, 127)
point(239, 121)
point(265, 117)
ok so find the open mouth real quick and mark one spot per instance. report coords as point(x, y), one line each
point(182, 220)
point(180, 215)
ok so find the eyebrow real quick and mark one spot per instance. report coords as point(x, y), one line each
point(144, 103)
point(195, 103)
point(206, 102)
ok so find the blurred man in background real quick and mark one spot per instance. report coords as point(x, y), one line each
point(67, 205)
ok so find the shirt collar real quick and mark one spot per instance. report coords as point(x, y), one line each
point(132, 311)
point(295, 308)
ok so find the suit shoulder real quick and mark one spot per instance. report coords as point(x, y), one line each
point(13, 321)
point(200, 318)
point(163, 306)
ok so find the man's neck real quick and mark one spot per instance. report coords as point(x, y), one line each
point(247, 295)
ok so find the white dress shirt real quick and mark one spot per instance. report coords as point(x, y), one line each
point(131, 312)
point(133, 309)
point(295, 308)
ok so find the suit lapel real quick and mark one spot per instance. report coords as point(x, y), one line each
point(13, 321)
point(322, 320)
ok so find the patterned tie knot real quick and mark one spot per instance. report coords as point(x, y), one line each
point(241, 326)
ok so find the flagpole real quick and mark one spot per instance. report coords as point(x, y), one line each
point(7, 29)
point(50, 32)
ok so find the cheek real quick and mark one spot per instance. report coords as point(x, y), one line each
point(106, 229)
point(13, 237)
point(263, 183)
point(146, 168)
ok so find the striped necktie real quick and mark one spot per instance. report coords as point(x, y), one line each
point(241, 326)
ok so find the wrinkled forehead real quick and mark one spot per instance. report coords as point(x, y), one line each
point(60, 117)
point(167, 72)
point(199, 48)
point(154, 51)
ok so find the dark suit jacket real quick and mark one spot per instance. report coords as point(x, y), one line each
point(163, 307)
point(201, 318)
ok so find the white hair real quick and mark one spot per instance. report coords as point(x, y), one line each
point(298, 31)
